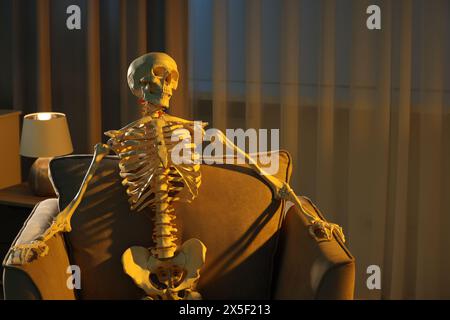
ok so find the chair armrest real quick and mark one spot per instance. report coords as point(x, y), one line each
point(307, 269)
point(45, 277)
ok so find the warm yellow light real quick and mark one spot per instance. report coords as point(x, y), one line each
point(44, 116)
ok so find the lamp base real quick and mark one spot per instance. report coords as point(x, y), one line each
point(38, 178)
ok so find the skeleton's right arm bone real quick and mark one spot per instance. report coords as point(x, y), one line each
point(27, 252)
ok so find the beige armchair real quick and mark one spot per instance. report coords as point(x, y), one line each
point(257, 248)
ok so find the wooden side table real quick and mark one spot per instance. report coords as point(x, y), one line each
point(10, 161)
point(16, 204)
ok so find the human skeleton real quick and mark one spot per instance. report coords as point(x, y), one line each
point(154, 180)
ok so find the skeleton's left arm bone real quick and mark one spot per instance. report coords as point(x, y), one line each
point(27, 252)
point(319, 229)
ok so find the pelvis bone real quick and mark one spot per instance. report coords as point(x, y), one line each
point(166, 279)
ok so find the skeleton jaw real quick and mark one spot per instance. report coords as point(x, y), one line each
point(159, 99)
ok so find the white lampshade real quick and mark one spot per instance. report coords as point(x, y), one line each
point(45, 134)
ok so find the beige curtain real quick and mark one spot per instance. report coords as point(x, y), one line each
point(364, 113)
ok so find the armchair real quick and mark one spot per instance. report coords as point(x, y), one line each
point(258, 247)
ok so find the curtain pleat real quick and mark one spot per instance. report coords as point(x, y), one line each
point(69, 72)
point(133, 43)
point(94, 81)
point(24, 56)
point(6, 35)
point(44, 89)
point(362, 194)
point(123, 62)
point(396, 220)
point(430, 156)
point(326, 114)
point(176, 24)
point(253, 64)
point(380, 137)
point(443, 287)
point(290, 79)
point(219, 74)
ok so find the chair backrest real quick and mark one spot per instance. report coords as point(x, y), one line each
point(235, 215)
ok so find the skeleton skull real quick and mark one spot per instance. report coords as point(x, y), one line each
point(152, 77)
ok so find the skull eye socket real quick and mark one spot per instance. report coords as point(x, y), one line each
point(174, 76)
point(159, 71)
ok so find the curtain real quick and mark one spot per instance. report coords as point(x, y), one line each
point(82, 73)
point(364, 114)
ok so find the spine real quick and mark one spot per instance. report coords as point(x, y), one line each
point(164, 231)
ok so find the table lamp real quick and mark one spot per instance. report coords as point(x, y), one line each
point(44, 135)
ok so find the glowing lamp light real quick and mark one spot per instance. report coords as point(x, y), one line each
point(43, 116)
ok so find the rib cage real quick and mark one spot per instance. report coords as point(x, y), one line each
point(151, 177)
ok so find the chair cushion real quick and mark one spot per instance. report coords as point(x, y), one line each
point(234, 215)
